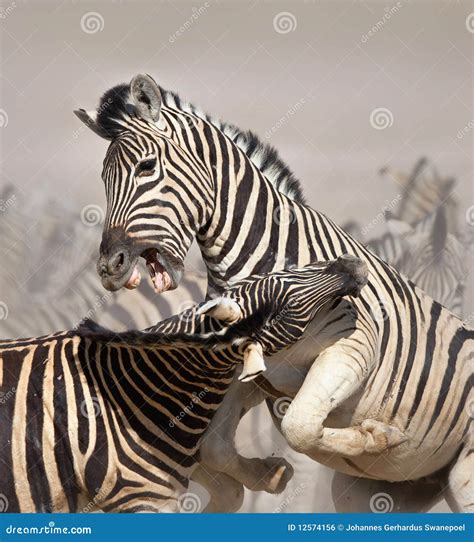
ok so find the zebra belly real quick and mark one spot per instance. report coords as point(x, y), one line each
point(287, 370)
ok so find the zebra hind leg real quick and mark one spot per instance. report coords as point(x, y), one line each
point(218, 447)
point(332, 379)
point(226, 494)
point(460, 494)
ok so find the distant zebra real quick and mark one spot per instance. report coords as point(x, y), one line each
point(435, 260)
point(393, 377)
point(65, 288)
point(117, 418)
point(423, 191)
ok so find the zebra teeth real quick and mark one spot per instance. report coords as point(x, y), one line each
point(134, 280)
point(159, 276)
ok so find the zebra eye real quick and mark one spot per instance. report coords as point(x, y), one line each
point(146, 167)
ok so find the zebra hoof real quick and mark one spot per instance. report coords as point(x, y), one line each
point(278, 475)
point(381, 436)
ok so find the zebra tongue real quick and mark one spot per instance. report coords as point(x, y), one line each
point(161, 281)
point(134, 279)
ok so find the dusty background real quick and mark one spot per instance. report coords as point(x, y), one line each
point(305, 76)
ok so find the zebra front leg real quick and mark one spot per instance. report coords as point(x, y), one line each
point(338, 372)
point(218, 448)
point(226, 494)
point(460, 494)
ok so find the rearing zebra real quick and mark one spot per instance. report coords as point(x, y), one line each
point(117, 418)
point(399, 365)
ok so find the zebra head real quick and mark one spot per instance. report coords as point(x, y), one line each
point(147, 173)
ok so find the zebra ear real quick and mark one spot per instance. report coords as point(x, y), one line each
point(223, 309)
point(89, 119)
point(146, 97)
point(254, 364)
point(439, 233)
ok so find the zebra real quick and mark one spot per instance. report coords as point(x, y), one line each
point(423, 224)
point(423, 192)
point(118, 417)
point(61, 296)
point(428, 255)
point(391, 378)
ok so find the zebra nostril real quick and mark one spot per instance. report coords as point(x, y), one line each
point(117, 262)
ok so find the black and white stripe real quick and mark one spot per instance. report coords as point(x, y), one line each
point(401, 357)
point(97, 419)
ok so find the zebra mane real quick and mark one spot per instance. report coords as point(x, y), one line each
point(116, 106)
point(246, 328)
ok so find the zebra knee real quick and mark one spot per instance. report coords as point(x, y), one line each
point(217, 453)
point(301, 433)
